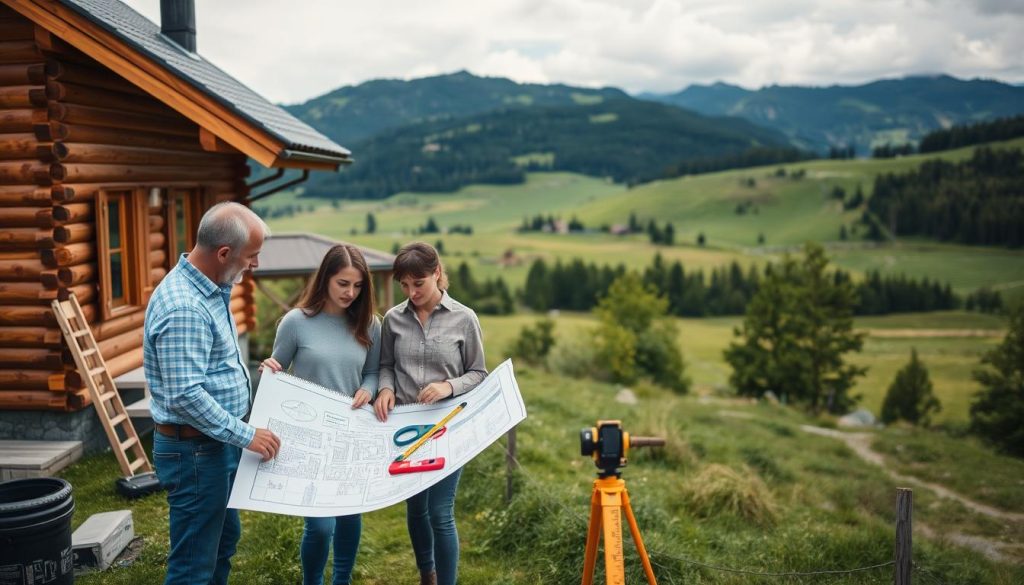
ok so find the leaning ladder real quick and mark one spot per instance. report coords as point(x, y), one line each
point(105, 397)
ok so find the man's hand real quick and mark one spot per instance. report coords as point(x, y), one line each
point(435, 391)
point(361, 398)
point(384, 404)
point(271, 364)
point(265, 444)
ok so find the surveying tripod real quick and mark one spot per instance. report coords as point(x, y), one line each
point(608, 445)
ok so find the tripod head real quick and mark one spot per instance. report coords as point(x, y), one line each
point(609, 445)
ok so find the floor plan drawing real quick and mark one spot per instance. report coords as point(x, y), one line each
point(334, 459)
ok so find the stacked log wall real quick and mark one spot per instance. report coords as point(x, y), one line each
point(70, 128)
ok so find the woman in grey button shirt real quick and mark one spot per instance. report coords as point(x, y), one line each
point(332, 338)
point(431, 349)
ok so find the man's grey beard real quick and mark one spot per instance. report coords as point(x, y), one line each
point(234, 278)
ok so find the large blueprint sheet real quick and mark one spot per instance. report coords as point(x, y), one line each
point(334, 460)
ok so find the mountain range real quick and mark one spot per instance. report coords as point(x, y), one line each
point(890, 111)
point(447, 131)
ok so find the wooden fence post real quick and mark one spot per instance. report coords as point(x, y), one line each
point(904, 515)
point(510, 463)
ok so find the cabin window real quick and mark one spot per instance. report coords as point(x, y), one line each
point(122, 246)
point(182, 208)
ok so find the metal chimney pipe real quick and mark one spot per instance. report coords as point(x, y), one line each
point(178, 22)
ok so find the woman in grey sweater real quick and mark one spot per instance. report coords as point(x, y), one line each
point(332, 338)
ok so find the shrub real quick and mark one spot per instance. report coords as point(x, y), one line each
point(718, 490)
point(616, 353)
point(635, 339)
point(534, 342)
point(573, 358)
point(910, 395)
point(658, 355)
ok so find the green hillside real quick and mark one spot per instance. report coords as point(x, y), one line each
point(784, 210)
point(888, 111)
point(625, 139)
point(352, 113)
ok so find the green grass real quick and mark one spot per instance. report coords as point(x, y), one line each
point(950, 360)
point(829, 510)
point(962, 463)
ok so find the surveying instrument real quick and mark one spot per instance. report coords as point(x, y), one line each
point(608, 444)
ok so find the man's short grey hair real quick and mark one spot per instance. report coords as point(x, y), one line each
point(228, 224)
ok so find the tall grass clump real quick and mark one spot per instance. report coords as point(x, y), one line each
point(544, 529)
point(720, 490)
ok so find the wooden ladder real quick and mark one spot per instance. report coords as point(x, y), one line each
point(105, 397)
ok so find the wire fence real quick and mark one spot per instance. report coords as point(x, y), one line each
point(689, 561)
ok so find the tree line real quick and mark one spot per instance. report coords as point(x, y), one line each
point(978, 201)
point(728, 290)
point(969, 135)
point(756, 156)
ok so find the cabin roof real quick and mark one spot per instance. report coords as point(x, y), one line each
point(297, 144)
point(300, 254)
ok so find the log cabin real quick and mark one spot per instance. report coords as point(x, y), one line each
point(115, 136)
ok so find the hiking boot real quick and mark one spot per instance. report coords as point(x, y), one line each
point(428, 578)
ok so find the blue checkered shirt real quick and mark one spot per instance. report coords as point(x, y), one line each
point(191, 357)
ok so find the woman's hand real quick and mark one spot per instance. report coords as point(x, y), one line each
point(435, 391)
point(360, 398)
point(384, 403)
point(271, 364)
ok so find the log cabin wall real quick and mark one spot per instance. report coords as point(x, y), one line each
point(79, 145)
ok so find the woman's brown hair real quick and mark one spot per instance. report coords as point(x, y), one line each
point(419, 260)
point(360, 312)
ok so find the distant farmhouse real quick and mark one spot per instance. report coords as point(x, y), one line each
point(115, 136)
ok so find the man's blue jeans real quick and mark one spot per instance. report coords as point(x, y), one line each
point(197, 474)
point(430, 515)
point(316, 544)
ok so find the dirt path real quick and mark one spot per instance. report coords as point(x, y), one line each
point(860, 443)
point(896, 333)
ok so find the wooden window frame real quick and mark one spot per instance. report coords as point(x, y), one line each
point(135, 272)
point(193, 200)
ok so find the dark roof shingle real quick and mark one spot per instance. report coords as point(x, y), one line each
point(144, 35)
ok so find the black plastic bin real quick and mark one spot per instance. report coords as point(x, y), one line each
point(35, 531)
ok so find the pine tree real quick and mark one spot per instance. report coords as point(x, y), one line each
point(997, 413)
point(371, 223)
point(537, 291)
point(653, 232)
point(910, 395)
point(797, 328)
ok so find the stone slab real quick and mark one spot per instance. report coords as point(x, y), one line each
point(20, 459)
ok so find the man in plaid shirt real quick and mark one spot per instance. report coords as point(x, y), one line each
point(200, 392)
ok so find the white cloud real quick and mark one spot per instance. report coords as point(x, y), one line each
point(290, 52)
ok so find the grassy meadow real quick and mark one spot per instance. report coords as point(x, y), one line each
point(784, 210)
point(739, 485)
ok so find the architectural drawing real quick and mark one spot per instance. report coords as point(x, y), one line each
point(334, 460)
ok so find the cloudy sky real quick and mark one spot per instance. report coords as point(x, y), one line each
point(292, 51)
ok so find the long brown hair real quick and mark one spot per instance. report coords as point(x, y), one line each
point(360, 312)
point(419, 260)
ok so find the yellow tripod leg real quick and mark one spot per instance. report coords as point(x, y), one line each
point(611, 508)
point(634, 529)
point(593, 534)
